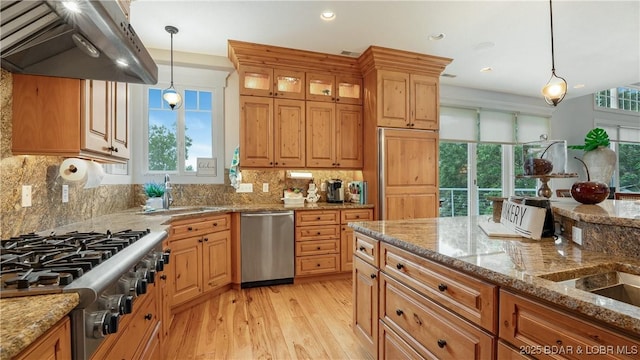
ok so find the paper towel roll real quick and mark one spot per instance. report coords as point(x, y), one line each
point(86, 172)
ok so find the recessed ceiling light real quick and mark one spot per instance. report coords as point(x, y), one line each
point(71, 6)
point(436, 37)
point(486, 69)
point(328, 15)
point(447, 75)
point(578, 86)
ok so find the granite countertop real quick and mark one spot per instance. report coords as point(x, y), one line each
point(528, 266)
point(608, 212)
point(24, 319)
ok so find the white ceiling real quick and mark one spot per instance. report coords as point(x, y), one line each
point(597, 43)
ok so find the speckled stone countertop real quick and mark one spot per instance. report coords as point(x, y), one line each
point(608, 212)
point(528, 266)
point(24, 319)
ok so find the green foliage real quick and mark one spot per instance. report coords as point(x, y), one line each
point(594, 138)
point(152, 189)
point(163, 149)
point(629, 160)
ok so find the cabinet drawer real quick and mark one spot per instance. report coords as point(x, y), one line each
point(392, 347)
point(356, 215)
point(366, 248)
point(319, 247)
point(318, 264)
point(201, 226)
point(430, 329)
point(473, 299)
point(305, 233)
point(506, 352)
point(317, 217)
point(530, 325)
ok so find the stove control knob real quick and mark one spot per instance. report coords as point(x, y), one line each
point(159, 261)
point(151, 276)
point(166, 255)
point(128, 285)
point(102, 323)
point(142, 286)
point(114, 303)
point(147, 270)
point(128, 304)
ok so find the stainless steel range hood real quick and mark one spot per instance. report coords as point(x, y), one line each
point(97, 42)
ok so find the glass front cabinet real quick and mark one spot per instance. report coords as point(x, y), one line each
point(330, 88)
point(264, 81)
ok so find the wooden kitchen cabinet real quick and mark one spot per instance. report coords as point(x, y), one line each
point(411, 174)
point(55, 344)
point(70, 117)
point(407, 100)
point(365, 304)
point(200, 257)
point(272, 82)
point(334, 88)
point(317, 237)
point(346, 234)
point(334, 135)
point(272, 132)
point(530, 325)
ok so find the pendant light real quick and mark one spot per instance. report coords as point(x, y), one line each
point(171, 95)
point(556, 87)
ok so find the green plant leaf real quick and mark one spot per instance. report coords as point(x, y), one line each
point(594, 138)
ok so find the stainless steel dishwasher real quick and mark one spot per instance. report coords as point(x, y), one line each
point(267, 248)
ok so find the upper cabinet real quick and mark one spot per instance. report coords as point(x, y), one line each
point(407, 100)
point(270, 82)
point(338, 88)
point(70, 117)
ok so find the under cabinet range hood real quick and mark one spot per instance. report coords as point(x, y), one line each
point(75, 38)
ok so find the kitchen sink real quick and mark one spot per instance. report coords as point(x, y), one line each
point(616, 285)
point(181, 210)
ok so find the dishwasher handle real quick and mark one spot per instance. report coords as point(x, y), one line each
point(263, 214)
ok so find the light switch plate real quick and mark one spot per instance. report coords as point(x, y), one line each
point(26, 195)
point(576, 235)
point(245, 188)
point(65, 193)
point(265, 187)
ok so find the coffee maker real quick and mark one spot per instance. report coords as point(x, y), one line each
point(335, 191)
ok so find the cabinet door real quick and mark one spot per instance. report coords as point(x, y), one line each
point(55, 344)
point(289, 130)
point(97, 117)
point(349, 90)
point(51, 103)
point(186, 267)
point(256, 130)
point(424, 102)
point(349, 136)
point(321, 134)
point(216, 263)
point(256, 81)
point(289, 84)
point(321, 87)
point(365, 305)
point(346, 249)
point(393, 99)
point(120, 118)
point(410, 174)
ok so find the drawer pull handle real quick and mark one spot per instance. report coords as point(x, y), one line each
point(148, 316)
point(357, 216)
point(399, 312)
point(442, 343)
point(190, 228)
point(442, 287)
point(399, 266)
point(318, 218)
point(318, 265)
point(362, 248)
point(318, 233)
point(416, 318)
point(163, 277)
point(318, 247)
point(215, 224)
point(373, 276)
point(206, 239)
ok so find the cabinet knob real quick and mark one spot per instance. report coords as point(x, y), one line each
point(190, 228)
point(284, 164)
point(206, 239)
point(373, 276)
point(148, 316)
point(271, 163)
point(357, 216)
point(399, 266)
point(318, 233)
point(270, 92)
point(199, 240)
point(318, 248)
point(361, 248)
point(318, 218)
point(276, 163)
point(318, 265)
point(442, 343)
point(337, 164)
point(111, 148)
point(215, 224)
point(337, 99)
point(275, 94)
point(163, 277)
point(442, 287)
point(399, 312)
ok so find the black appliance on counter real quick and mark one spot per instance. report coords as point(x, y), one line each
point(109, 271)
point(335, 191)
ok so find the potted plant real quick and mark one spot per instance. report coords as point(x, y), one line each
point(598, 157)
point(154, 192)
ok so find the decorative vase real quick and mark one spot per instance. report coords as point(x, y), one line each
point(601, 163)
point(154, 202)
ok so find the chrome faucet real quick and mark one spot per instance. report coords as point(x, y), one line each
point(167, 199)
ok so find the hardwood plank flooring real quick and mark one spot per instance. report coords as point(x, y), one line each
point(302, 321)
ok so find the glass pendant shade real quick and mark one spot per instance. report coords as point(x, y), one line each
point(172, 97)
point(555, 90)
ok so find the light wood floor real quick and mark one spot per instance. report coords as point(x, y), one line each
point(304, 321)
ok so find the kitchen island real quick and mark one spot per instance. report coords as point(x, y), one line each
point(457, 248)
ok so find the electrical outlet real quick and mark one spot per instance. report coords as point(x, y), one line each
point(65, 193)
point(245, 188)
point(576, 235)
point(26, 195)
point(265, 187)
point(323, 186)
